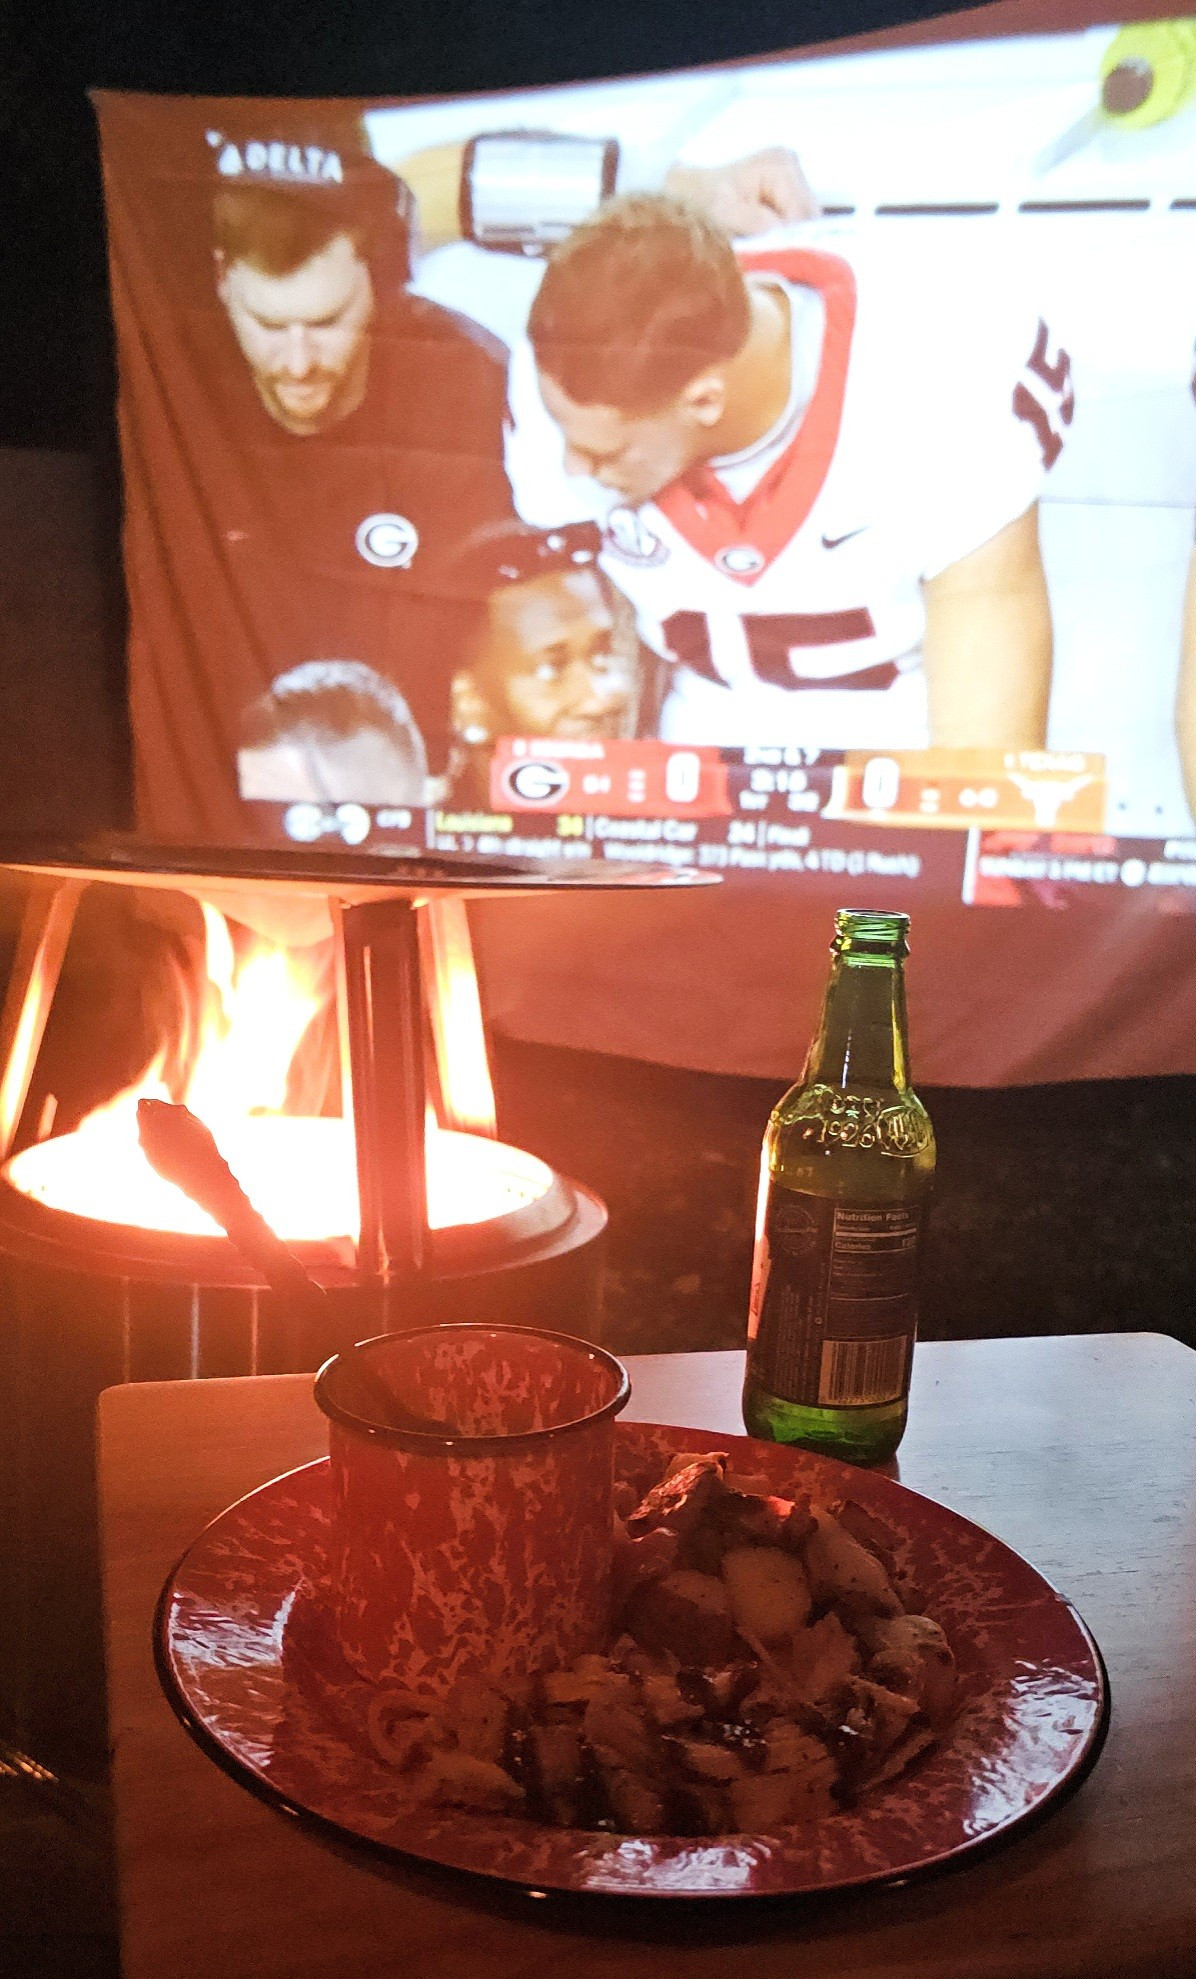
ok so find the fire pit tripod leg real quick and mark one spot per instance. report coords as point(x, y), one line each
point(45, 930)
point(381, 1013)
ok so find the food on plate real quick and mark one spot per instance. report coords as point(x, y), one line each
point(767, 1665)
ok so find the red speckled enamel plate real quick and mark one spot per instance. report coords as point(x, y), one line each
point(247, 1658)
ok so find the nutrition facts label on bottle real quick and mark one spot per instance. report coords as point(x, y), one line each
point(834, 1300)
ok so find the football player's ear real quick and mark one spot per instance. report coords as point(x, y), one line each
point(470, 711)
point(705, 398)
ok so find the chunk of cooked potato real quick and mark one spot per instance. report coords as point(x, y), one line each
point(590, 1677)
point(871, 1531)
point(663, 1700)
point(769, 1593)
point(910, 1654)
point(687, 1613)
point(709, 1759)
point(822, 1657)
point(840, 1570)
point(477, 1715)
point(790, 1750)
point(458, 1779)
point(760, 1801)
point(619, 1733)
point(636, 1803)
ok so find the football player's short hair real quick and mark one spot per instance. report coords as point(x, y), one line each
point(636, 302)
point(329, 700)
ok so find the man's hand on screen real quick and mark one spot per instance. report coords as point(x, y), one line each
point(750, 195)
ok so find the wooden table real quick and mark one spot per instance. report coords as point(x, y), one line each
point(1080, 1452)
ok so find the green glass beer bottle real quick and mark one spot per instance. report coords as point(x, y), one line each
point(845, 1177)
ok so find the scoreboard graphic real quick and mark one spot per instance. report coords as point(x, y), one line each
point(942, 789)
point(989, 828)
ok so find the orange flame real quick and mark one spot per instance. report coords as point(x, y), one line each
point(300, 1172)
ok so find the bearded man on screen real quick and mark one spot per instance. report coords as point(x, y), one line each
point(305, 441)
point(367, 421)
point(818, 481)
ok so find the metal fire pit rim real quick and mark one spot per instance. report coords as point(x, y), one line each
point(33, 1232)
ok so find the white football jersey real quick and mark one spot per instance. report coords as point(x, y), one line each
point(796, 615)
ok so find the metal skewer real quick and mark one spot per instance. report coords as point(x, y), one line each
point(182, 1150)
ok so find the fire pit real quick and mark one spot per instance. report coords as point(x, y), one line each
point(405, 1205)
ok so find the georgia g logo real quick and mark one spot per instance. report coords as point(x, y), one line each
point(387, 541)
point(627, 536)
point(739, 560)
point(535, 782)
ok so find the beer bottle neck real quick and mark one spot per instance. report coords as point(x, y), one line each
point(861, 1037)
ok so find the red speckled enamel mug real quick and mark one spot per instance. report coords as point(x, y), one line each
point(472, 1474)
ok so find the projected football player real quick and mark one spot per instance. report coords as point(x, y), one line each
point(818, 488)
point(549, 648)
point(332, 731)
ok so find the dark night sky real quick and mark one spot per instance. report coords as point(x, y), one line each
point(55, 380)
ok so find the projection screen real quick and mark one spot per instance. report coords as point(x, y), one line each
point(787, 469)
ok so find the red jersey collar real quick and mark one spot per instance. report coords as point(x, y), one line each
point(753, 533)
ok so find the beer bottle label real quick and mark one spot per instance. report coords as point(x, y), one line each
point(834, 1305)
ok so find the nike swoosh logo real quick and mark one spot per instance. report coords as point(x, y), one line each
point(833, 542)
